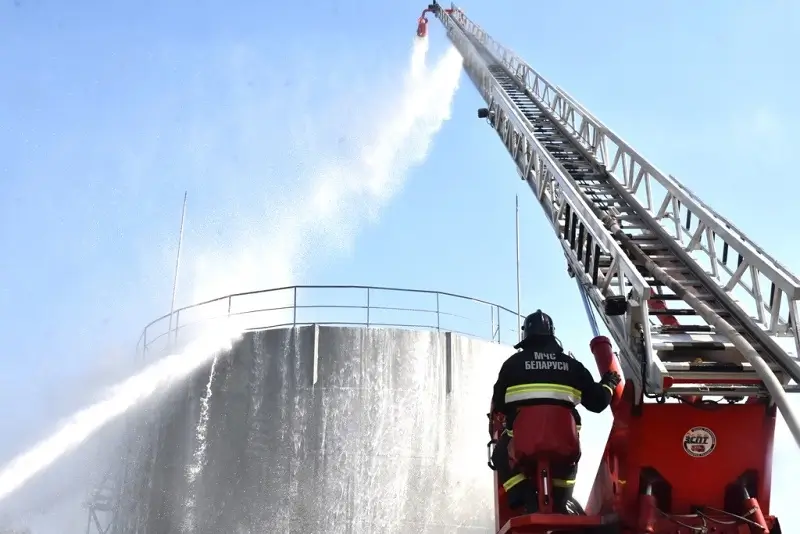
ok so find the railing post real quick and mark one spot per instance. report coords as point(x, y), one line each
point(437, 312)
point(230, 303)
point(499, 331)
point(491, 311)
point(294, 308)
point(177, 325)
point(367, 307)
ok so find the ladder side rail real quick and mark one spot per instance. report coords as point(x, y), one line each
point(776, 317)
point(555, 191)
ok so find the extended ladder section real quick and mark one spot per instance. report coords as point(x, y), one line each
point(695, 307)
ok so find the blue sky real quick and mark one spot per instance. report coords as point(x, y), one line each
point(109, 111)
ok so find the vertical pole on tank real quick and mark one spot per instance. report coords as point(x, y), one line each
point(438, 317)
point(294, 308)
point(519, 314)
point(315, 356)
point(367, 307)
point(448, 362)
point(177, 268)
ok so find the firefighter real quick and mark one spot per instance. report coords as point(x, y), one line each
point(542, 374)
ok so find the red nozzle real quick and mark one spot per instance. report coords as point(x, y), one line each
point(607, 361)
point(422, 27)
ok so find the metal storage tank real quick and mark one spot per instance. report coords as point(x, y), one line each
point(338, 426)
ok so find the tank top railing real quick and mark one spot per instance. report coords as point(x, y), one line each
point(345, 305)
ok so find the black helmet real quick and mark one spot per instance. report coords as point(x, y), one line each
point(537, 324)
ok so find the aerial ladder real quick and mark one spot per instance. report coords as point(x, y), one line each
point(704, 320)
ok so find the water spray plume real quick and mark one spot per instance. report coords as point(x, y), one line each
point(338, 195)
point(120, 399)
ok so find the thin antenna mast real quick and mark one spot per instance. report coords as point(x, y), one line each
point(177, 268)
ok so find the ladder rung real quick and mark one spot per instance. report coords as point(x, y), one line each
point(730, 390)
point(685, 329)
point(669, 311)
point(714, 375)
point(704, 368)
point(672, 296)
point(687, 341)
point(719, 391)
point(690, 283)
point(684, 346)
point(653, 246)
point(675, 268)
point(682, 312)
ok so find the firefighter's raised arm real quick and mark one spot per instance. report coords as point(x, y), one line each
point(596, 396)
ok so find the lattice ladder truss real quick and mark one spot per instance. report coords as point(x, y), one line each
point(102, 506)
point(618, 249)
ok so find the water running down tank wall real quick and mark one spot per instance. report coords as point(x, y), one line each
point(328, 430)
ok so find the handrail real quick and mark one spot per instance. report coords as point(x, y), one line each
point(404, 316)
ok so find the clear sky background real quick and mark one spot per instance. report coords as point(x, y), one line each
point(109, 111)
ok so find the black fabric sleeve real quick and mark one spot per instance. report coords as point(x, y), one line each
point(499, 392)
point(595, 397)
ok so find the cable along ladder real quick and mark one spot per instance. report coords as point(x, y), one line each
point(695, 307)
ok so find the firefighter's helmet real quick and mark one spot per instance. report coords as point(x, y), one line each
point(538, 324)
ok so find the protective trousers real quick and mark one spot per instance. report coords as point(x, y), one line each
point(522, 492)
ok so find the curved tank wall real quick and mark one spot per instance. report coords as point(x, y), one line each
point(324, 430)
